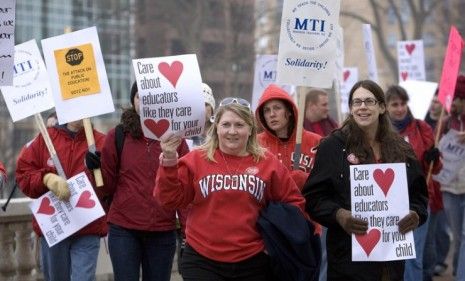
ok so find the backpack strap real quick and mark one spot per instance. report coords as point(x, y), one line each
point(119, 143)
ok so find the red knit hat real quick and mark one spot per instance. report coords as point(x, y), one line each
point(460, 88)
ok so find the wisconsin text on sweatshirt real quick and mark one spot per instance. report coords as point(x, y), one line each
point(241, 183)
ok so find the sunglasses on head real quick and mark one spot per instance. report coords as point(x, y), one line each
point(228, 101)
point(239, 101)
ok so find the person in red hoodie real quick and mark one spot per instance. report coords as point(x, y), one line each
point(227, 181)
point(277, 114)
point(74, 258)
point(141, 232)
point(420, 136)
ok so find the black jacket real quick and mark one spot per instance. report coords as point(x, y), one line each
point(328, 189)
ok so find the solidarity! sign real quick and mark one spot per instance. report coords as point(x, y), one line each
point(380, 196)
point(307, 43)
point(31, 92)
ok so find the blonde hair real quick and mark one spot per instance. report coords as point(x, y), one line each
point(212, 142)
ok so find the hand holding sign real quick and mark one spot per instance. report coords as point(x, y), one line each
point(409, 222)
point(350, 224)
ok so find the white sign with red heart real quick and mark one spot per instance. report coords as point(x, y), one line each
point(379, 195)
point(349, 78)
point(170, 96)
point(57, 219)
point(411, 60)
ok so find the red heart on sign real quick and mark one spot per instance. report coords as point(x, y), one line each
point(346, 75)
point(404, 75)
point(45, 207)
point(369, 240)
point(158, 128)
point(85, 201)
point(410, 48)
point(384, 179)
point(171, 72)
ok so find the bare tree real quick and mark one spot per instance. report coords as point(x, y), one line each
point(418, 10)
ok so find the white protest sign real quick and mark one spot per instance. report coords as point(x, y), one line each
point(349, 78)
point(370, 52)
point(78, 76)
point(265, 74)
point(379, 195)
point(7, 41)
point(170, 94)
point(411, 60)
point(31, 91)
point(420, 94)
point(307, 43)
point(57, 219)
point(453, 158)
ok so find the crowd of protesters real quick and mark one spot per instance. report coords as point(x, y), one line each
point(214, 194)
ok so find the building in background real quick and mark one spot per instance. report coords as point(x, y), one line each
point(220, 33)
point(40, 19)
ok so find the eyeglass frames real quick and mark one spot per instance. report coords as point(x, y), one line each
point(367, 102)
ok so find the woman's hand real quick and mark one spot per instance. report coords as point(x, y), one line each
point(351, 224)
point(409, 222)
point(169, 146)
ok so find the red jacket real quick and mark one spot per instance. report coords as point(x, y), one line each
point(34, 162)
point(323, 127)
point(2, 169)
point(420, 136)
point(133, 205)
point(226, 196)
point(284, 149)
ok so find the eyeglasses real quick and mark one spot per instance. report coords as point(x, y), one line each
point(367, 102)
point(240, 101)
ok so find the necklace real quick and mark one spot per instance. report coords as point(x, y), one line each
point(227, 165)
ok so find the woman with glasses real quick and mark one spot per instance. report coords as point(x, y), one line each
point(227, 181)
point(366, 137)
point(420, 136)
point(277, 114)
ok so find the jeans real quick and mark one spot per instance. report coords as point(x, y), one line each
point(73, 259)
point(414, 267)
point(454, 205)
point(324, 257)
point(197, 267)
point(442, 237)
point(429, 254)
point(129, 249)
